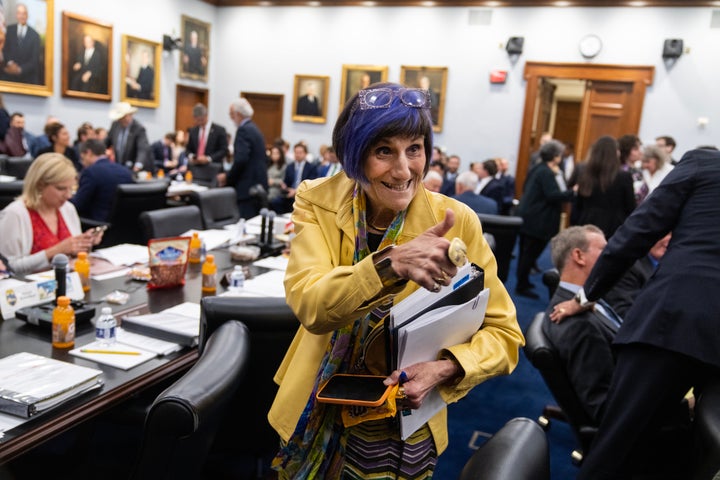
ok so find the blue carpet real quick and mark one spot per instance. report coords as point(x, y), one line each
point(522, 394)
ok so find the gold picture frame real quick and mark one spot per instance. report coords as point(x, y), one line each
point(28, 76)
point(357, 77)
point(86, 58)
point(433, 79)
point(310, 98)
point(140, 72)
point(195, 53)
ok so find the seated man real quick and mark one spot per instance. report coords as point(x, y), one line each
point(98, 181)
point(433, 181)
point(623, 294)
point(465, 185)
point(582, 341)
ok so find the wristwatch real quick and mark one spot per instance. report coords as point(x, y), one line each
point(383, 267)
point(581, 299)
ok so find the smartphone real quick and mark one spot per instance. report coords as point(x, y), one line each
point(99, 229)
point(361, 390)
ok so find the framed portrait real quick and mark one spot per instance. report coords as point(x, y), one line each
point(357, 77)
point(433, 79)
point(86, 58)
point(140, 72)
point(195, 53)
point(310, 99)
point(26, 42)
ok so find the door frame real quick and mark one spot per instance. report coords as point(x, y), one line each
point(203, 93)
point(641, 76)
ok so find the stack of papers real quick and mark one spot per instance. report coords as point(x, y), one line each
point(268, 284)
point(130, 350)
point(212, 238)
point(279, 262)
point(123, 254)
point(179, 324)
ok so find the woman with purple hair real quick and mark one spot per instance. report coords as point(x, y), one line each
point(366, 238)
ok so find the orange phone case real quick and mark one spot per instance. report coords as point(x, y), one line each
point(347, 389)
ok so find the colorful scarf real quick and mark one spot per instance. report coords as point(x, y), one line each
point(316, 448)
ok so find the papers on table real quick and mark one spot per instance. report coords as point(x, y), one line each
point(177, 188)
point(123, 254)
point(7, 178)
point(212, 238)
point(31, 383)
point(130, 356)
point(268, 284)
point(155, 345)
point(180, 324)
point(279, 262)
point(253, 226)
point(8, 422)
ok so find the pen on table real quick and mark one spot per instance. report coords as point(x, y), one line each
point(115, 352)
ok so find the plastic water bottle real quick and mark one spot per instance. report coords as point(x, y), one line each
point(241, 228)
point(105, 327)
point(237, 280)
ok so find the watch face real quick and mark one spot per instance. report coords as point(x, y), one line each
point(590, 46)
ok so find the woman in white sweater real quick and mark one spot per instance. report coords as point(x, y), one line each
point(41, 222)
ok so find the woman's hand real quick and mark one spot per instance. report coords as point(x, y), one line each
point(424, 259)
point(96, 234)
point(422, 378)
point(71, 245)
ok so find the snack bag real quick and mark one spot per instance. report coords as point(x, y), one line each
point(168, 261)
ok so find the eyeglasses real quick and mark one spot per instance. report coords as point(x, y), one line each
point(372, 98)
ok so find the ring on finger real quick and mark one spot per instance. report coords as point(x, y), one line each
point(435, 288)
point(401, 393)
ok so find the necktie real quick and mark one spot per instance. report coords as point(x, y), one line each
point(120, 147)
point(643, 192)
point(298, 174)
point(201, 142)
point(21, 33)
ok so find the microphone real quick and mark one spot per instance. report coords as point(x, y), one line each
point(270, 233)
point(60, 263)
point(263, 215)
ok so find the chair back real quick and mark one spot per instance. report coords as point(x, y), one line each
point(218, 206)
point(170, 222)
point(544, 357)
point(272, 326)
point(518, 451)
point(9, 191)
point(206, 174)
point(505, 230)
point(551, 279)
point(17, 166)
point(131, 200)
point(3, 161)
point(181, 423)
point(707, 431)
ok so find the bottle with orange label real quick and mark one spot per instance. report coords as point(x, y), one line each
point(160, 173)
point(209, 275)
point(188, 177)
point(82, 267)
point(63, 324)
point(195, 252)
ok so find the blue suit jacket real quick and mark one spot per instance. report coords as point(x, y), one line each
point(478, 203)
point(309, 172)
point(495, 190)
point(96, 189)
point(249, 162)
point(677, 309)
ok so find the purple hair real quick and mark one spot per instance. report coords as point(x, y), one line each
point(356, 131)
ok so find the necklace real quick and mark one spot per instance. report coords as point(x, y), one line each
point(378, 229)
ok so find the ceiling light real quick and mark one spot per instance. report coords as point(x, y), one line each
point(428, 4)
point(369, 4)
point(562, 4)
point(637, 4)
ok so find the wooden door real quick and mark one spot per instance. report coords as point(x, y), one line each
point(545, 100)
point(603, 76)
point(268, 113)
point(605, 112)
point(185, 99)
point(567, 122)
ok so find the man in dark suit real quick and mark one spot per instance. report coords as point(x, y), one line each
point(87, 73)
point(465, 186)
point(248, 174)
point(297, 171)
point(669, 339)
point(128, 139)
point(163, 151)
point(22, 50)
point(508, 183)
point(309, 104)
point(98, 181)
point(450, 175)
point(623, 294)
point(207, 142)
point(142, 86)
point(489, 186)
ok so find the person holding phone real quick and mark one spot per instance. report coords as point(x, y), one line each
point(42, 223)
point(365, 239)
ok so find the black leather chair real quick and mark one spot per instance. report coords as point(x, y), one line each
point(551, 279)
point(3, 160)
point(505, 230)
point(9, 191)
point(246, 442)
point(205, 174)
point(543, 356)
point(170, 222)
point(17, 166)
point(181, 424)
point(707, 432)
point(130, 201)
point(218, 206)
point(518, 451)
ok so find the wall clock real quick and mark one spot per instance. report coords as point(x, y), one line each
point(590, 46)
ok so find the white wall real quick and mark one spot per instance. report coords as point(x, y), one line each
point(261, 49)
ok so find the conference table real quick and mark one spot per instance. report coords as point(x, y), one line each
point(18, 336)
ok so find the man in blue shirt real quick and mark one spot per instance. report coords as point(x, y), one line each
point(98, 181)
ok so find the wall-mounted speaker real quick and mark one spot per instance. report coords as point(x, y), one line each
point(515, 45)
point(672, 48)
point(170, 44)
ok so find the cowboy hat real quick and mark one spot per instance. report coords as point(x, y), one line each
point(121, 109)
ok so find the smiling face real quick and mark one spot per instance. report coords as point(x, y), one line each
point(56, 194)
point(394, 169)
point(63, 137)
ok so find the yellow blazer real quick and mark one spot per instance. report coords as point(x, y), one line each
point(326, 291)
